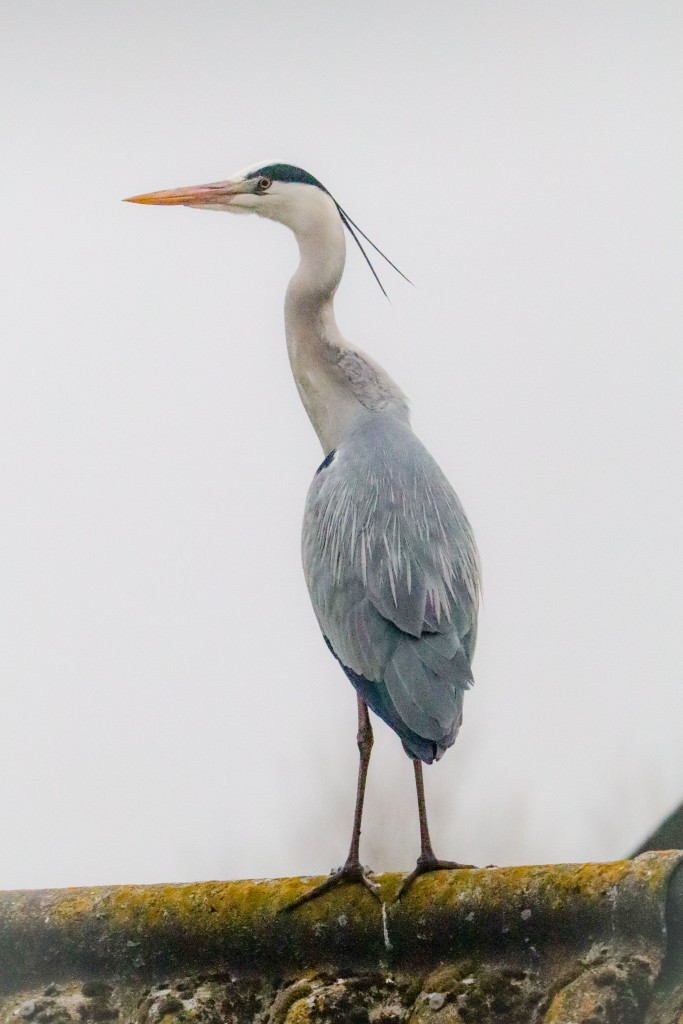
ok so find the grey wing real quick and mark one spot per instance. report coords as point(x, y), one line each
point(392, 571)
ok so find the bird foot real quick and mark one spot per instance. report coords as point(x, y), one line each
point(424, 864)
point(352, 871)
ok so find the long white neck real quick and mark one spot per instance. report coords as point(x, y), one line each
point(338, 385)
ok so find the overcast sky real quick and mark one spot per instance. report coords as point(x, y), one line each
point(168, 708)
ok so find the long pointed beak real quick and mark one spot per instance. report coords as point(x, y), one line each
point(216, 193)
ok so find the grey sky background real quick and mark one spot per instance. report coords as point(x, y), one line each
point(168, 709)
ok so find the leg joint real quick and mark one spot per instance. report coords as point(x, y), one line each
point(365, 739)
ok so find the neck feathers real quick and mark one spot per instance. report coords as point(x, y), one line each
point(338, 385)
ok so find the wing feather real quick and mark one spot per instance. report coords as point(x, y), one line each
point(418, 709)
point(393, 575)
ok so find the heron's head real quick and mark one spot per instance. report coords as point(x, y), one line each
point(280, 192)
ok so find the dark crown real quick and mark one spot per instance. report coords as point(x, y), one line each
point(286, 172)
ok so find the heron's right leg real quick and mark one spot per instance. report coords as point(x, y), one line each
point(352, 870)
point(427, 861)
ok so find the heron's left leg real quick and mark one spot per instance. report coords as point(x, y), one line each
point(365, 740)
point(427, 861)
point(352, 870)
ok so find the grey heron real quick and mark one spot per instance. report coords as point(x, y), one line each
point(389, 556)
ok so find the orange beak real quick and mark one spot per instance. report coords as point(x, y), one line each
point(218, 193)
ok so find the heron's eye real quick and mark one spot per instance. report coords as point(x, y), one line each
point(264, 184)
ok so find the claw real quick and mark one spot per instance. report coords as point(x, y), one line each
point(350, 872)
point(370, 884)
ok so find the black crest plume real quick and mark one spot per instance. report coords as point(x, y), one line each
point(350, 225)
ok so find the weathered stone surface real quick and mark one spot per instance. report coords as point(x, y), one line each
point(564, 944)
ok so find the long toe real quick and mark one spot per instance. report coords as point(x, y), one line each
point(423, 866)
point(350, 872)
